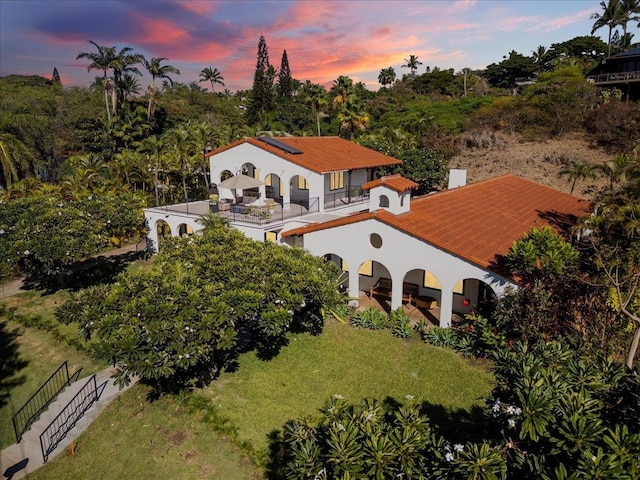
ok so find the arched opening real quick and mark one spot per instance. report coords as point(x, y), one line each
point(423, 293)
point(343, 281)
point(375, 284)
point(184, 229)
point(225, 174)
point(383, 201)
point(274, 188)
point(164, 232)
point(250, 170)
point(299, 192)
point(471, 295)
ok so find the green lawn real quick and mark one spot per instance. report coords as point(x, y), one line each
point(135, 439)
point(138, 439)
point(261, 396)
point(37, 356)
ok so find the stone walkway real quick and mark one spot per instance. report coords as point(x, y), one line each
point(25, 457)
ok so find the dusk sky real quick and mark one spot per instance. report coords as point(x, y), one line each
point(323, 39)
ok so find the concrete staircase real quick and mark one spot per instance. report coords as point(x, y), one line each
point(25, 457)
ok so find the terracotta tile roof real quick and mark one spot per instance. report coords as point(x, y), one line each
point(478, 222)
point(321, 154)
point(396, 182)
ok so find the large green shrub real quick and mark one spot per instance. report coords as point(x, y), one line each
point(206, 299)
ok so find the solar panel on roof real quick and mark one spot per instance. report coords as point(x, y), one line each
point(278, 144)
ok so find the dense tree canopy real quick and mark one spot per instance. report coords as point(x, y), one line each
point(207, 298)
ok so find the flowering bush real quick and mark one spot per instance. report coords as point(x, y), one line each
point(552, 415)
point(43, 235)
point(206, 299)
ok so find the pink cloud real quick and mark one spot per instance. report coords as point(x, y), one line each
point(198, 7)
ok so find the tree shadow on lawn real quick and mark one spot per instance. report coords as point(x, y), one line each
point(83, 274)
point(10, 362)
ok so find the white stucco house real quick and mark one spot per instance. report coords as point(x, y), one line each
point(442, 249)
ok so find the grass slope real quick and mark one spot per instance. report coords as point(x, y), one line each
point(261, 396)
point(136, 439)
point(35, 355)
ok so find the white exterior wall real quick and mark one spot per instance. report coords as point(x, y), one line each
point(400, 253)
point(173, 219)
point(266, 163)
point(399, 202)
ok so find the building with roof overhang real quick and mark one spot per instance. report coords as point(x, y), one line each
point(440, 250)
point(445, 248)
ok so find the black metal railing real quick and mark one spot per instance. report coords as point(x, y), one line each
point(69, 416)
point(263, 214)
point(345, 197)
point(30, 411)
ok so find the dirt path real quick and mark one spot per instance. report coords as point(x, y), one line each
point(13, 287)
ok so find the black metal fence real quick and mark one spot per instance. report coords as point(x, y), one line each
point(39, 401)
point(345, 197)
point(69, 416)
point(263, 214)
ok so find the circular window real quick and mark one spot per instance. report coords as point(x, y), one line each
point(376, 240)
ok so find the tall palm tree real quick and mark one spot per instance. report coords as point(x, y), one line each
point(412, 64)
point(154, 148)
point(213, 76)
point(124, 63)
point(387, 76)
point(103, 60)
point(630, 13)
point(181, 147)
point(612, 15)
point(316, 98)
point(342, 90)
point(156, 70)
point(540, 57)
point(203, 138)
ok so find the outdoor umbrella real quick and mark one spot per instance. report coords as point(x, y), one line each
point(240, 182)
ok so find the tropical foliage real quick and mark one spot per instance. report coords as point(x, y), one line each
point(43, 234)
point(551, 415)
point(207, 299)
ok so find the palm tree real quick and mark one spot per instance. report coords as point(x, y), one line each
point(577, 171)
point(102, 60)
point(13, 158)
point(154, 147)
point(387, 76)
point(540, 57)
point(612, 15)
point(316, 98)
point(630, 13)
point(156, 70)
point(124, 63)
point(342, 90)
point(213, 76)
point(615, 170)
point(181, 147)
point(412, 64)
point(129, 85)
point(203, 138)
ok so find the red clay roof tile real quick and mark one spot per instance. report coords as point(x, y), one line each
point(478, 222)
point(321, 154)
point(396, 182)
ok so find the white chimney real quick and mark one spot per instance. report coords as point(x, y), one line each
point(457, 178)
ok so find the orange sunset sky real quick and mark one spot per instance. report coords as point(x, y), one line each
point(323, 39)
